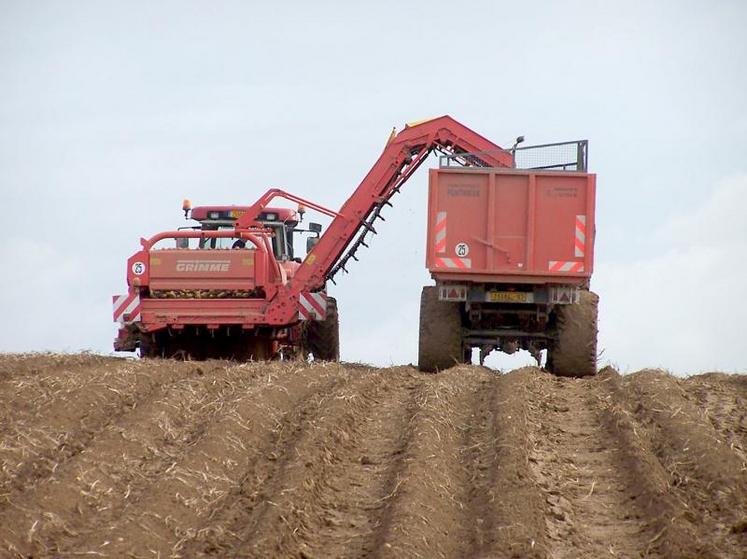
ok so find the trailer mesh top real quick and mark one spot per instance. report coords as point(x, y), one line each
point(559, 156)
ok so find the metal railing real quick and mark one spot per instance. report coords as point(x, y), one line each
point(559, 156)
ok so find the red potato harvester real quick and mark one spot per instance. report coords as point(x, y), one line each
point(510, 250)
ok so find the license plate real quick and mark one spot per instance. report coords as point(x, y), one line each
point(508, 297)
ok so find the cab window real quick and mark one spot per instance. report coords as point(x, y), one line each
point(281, 242)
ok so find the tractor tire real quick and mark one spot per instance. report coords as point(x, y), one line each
point(440, 343)
point(322, 337)
point(251, 348)
point(573, 352)
point(148, 348)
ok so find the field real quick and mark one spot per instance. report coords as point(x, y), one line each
point(120, 458)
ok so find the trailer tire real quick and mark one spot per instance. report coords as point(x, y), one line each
point(322, 337)
point(440, 342)
point(573, 352)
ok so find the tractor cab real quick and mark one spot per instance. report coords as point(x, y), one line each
point(282, 222)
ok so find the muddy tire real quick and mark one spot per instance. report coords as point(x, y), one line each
point(322, 338)
point(440, 343)
point(573, 352)
point(252, 348)
point(147, 349)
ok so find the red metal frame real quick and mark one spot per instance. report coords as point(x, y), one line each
point(254, 237)
point(246, 220)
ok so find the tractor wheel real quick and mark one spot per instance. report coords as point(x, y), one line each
point(147, 346)
point(440, 344)
point(322, 337)
point(573, 351)
point(250, 347)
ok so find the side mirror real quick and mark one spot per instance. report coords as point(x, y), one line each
point(311, 243)
point(182, 242)
point(315, 227)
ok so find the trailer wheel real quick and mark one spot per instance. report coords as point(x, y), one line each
point(322, 337)
point(440, 343)
point(573, 352)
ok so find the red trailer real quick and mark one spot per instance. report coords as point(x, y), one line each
point(504, 225)
point(512, 252)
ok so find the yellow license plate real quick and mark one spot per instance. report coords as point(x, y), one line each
point(507, 297)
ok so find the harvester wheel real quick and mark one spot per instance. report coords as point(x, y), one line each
point(440, 344)
point(259, 348)
point(322, 337)
point(147, 348)
point(573, 352)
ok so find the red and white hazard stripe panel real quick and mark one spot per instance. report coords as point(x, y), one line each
point(580, 241)
point(565, 266)
point(440, 236)
point(126, 308)
point(455, 263)
point(312, 306)
point(579, 250)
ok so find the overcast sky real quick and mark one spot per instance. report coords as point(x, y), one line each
point(112, 112)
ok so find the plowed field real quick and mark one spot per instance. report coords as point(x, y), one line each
point(117, 458)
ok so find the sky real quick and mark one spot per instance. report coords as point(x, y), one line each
point(111, 113)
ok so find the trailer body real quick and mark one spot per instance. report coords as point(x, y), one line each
point(510, 226)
